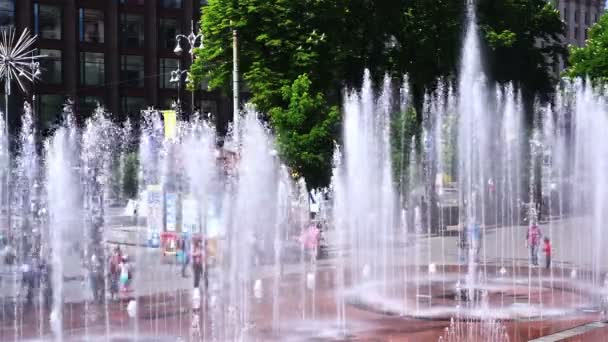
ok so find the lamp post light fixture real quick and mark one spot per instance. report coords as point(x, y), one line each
point(191, 39)
point(176, 77)
point(18, 61)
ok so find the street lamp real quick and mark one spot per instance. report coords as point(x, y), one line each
point(191, 40)
point(17, 60)
point(176, 77)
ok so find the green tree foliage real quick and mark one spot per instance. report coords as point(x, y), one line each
point(404, 127)
point(591, 60)
point(333, 41)
point(524, 37)
point(305, 131)
point(129, 175)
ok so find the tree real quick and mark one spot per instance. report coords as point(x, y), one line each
point(305, 131)
point(591, 60)
point(524, 38)
point(332, 42)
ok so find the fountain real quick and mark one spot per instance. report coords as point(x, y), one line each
point(403, 262)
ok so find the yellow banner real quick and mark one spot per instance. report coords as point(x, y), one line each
point(170, 123)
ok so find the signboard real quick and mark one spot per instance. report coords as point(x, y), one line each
point(170, 123)
point(155, 214)
point(171, 211)
point(190, 216)
point(168, 243)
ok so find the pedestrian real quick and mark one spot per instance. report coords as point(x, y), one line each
point(182, 257)
point(96, 278)
point(310, 242)
point(197, 262)
point(46, 286)
point(547, 251)
point(27, 282)
point(125, 275)
point(113, 273)
point(533, 242)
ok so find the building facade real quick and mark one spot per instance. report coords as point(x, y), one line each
point(115, 52)
point(578, 16)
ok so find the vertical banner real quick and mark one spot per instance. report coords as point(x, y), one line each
point(170, 117)
point(190, 221)
point(155, 214)
point(171, 211)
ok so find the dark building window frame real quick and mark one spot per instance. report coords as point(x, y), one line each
point(86, 66)
point(127, 41)
point(126, 69)
point(51, 61)
point(7, 14)
point(83, 36)
point(171, 4)
point(36, 22)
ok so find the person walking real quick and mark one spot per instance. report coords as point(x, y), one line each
point(197, 262)
point(533, 242)
point(115, 260)
point(547, 252)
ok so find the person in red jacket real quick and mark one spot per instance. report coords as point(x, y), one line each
point(547, 251)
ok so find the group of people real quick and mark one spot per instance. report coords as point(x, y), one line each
point(120, 274)
point(533, 242)
point(471, 243)
point(199, 257)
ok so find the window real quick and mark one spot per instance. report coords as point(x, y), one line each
point(92, 69)
point(47, 21)
point(171, 3)
point(168, 29)
point(132, 71)
point(132, 27)
point(51, 66)
point(132, 2)
point(50, 110)
point(566, 16)
point(166, 66)
point(576, 16)
point(586, 34)
point(203, 2)
point(91, 25)
point(88, 104)
point(576, 33)
point(7, 13)
point(132, 105)
point(586, 18)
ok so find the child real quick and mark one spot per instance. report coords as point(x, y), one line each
point(547, 251)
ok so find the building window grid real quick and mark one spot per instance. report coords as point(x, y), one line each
point(171, 4)
point(168, 29)
point(132, 70)
point(47, 21)
point(132, 30)
point(167, 65)
point(51, 66)
point(92, 68)
point(91, 25)
point(131, 105)
point(7, 13)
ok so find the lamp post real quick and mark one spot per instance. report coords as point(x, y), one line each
point(191, 40)
point(176, 77)
point(17, 60)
